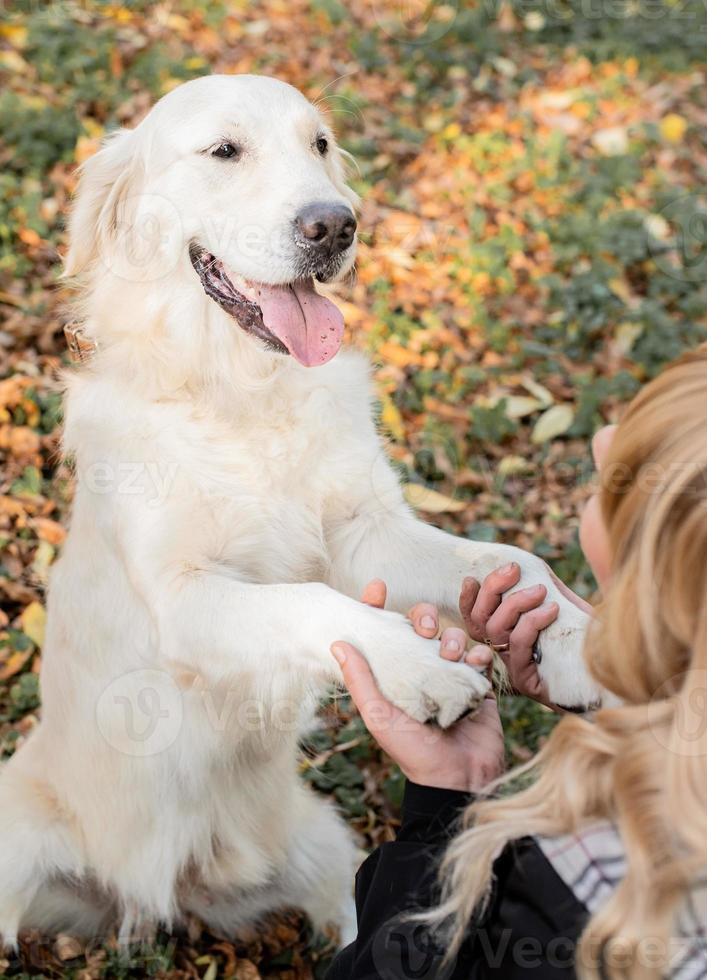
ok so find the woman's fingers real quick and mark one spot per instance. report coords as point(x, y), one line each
point(452, 643)
point(467, 598)
point(502, 622)
point(489, 598)
point(525, 634)
point(480, 657)
point(425, 618)
point(375, 593)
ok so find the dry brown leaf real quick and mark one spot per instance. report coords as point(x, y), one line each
point(67, 947)
point(246, 970)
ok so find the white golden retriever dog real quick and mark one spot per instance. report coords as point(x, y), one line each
point(233, 498)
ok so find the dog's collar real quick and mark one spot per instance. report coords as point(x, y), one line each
point(80, 347)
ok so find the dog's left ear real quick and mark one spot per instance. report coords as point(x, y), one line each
point(106, 179)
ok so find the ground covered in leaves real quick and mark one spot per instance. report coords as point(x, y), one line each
point(534, 248)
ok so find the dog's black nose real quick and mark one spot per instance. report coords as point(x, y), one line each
point(329, 228)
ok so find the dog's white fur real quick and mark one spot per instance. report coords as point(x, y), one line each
point(230, 506)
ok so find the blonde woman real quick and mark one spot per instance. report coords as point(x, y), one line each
point(598, 869)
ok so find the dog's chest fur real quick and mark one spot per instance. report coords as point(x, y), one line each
point(263, 487)
point(248, 487)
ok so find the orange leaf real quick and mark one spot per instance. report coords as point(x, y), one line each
point(400, 356)
point(14, 664)
point(29, 236)
point(49, 530)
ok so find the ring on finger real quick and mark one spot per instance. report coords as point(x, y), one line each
point(497, 647)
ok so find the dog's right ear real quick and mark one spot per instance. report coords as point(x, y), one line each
point(105, 181)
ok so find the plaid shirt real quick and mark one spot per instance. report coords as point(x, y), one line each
point(593, 862)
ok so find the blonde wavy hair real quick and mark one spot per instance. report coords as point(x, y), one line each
point(642, 765)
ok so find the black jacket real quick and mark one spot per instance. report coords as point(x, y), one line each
point(528, 933)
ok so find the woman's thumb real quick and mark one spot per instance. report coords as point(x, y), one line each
point(360, 682)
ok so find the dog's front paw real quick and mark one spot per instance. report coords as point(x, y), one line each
point(428, 688)
point(560, 658)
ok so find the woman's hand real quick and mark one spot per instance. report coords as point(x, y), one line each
point(512, 624)
point(467, 756)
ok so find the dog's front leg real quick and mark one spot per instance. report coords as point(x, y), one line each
point(418, 561)
point(223, 630)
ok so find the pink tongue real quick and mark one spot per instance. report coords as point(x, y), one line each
point(309, 326)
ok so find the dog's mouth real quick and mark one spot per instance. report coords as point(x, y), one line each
point(292, 319)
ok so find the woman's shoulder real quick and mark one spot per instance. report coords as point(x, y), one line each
point(592, 862)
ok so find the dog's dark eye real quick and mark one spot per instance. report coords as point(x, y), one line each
point(226, 151)
point(322, 144)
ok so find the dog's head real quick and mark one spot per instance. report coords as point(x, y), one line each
point(239, 181)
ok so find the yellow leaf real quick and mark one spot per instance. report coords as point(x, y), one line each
point(672, 127)
point(43, 557)
point(534, 21)
point(33, 101)
point(510, 465)
point(422, 498)
point(612, 141)
point(93, 128)
point(12, 61)
point(434, 122)
point(14, 664)
point(620, 287)
point(212, 971)
point(552, 423)
point(518, 406)
point(391, 418)
point(538, 391)
point(33, 621)
point(85, 148)
point(121, 14)
point(178, 23)
point(169, 83)
point(452, 131)
point(16, 34)
point(627, 334)
point(657, 227)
